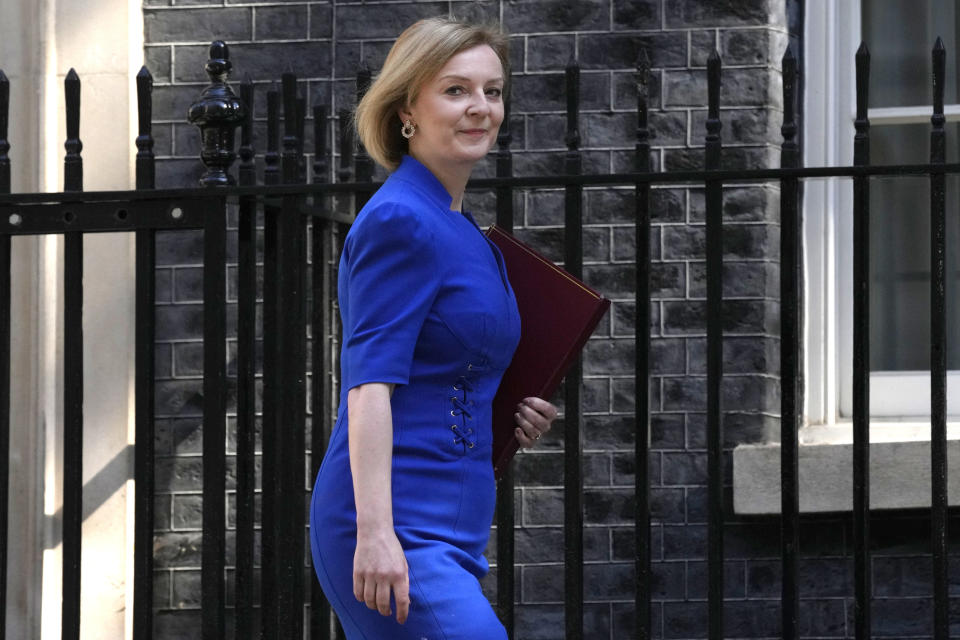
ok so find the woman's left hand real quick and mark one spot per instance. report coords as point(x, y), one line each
point(534, 417)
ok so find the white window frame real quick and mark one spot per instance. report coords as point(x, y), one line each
point(832, 37)
point(899, 402)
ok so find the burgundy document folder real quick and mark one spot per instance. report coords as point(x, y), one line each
point(557, 313)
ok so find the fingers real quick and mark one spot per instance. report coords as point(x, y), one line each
point(375, 593)
point(401, 594)
point(534, 417)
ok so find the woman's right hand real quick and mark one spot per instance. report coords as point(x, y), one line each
point(379, 568)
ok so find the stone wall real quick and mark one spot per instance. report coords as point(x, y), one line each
point(324, 43)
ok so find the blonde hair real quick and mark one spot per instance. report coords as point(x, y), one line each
point(417, 55)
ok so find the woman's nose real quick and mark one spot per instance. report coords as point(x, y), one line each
point(478, 103)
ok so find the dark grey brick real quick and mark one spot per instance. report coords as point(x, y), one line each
point(744, 126)
point(624, 396)
point(258, 60)
point(625, 91)
point(321, 21)
point(163, 361)
point(596, 395)
point(377, 20)
point(531, 16)
point(609, 356)
point(596, 469)
point(184, 625)
point(188, 358)
point(668, 280)
point(686, 317)
point(697, 13)
point(546, 131)
point(548, 92)
point(179, 322)
point(179, 398)
point(542, 506)
point(901, 618)
point(596, 244)
point(752, 46)
point(608, 432)
point(740, 280)
point(186, 590)
point(738, 87)
point(625, 469)
point(742, 618)
point(162, 511)
point(636, 14)
point(539, 622)
point(680, 468)
point(667, 431)
point(616, 580)
point(179, 474)
point(730, 158)
point(624, 243)
point(172, 102)
point(539, 468)
point(477, 11)
point(684, 242)
point(157, 61)
point(614, 281)
point(616, 506)
point(623, 314)
point(666, 505)
point(290, 22)
point(702, 44)
point(188, 284)
point(191, 25)
point(684, 542)
point(161, 589)
point(543, 544)
point(751, 241)
point(542, 584)
point(752, 540)
point(684, 394)
point(177, 550)
point(740, 355)
point(823, 618)
point(621, 51)
point(733, 580)
point(685, 619)
point(187, 512)
point(548, 53)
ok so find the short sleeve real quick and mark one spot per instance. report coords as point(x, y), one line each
point(391, 277)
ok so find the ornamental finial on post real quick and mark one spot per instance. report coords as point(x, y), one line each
point(218, 112)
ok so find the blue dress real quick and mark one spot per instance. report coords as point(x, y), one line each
point(426, 305)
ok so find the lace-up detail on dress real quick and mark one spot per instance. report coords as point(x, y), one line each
point(460, 408)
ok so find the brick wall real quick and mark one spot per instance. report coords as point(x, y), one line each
point(323, 43)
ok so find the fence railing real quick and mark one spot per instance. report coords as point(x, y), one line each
point(295, 211)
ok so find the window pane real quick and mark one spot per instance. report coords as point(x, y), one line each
point(900, 253)
point(900, 35)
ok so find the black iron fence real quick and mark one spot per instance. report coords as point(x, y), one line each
point(294, 211)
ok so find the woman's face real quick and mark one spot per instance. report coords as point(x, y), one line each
point(458, 111)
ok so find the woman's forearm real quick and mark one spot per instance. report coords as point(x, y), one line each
point(371, 448)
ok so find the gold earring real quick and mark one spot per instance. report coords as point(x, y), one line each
point(408, 129)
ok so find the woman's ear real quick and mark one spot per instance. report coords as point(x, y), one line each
point(405, 114)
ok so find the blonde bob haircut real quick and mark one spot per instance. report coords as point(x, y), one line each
point(416, 57)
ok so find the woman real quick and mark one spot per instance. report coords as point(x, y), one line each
point(429, 325)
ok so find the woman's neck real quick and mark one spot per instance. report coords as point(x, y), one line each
point(453, 177)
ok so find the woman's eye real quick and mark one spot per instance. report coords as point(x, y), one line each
point(455, 91)
point(494, 93)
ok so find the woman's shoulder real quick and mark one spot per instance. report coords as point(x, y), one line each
point(389, 219)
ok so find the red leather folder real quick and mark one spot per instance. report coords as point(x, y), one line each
point(558, 313)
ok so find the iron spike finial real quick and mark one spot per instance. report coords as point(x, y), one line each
point(217, 113)
point(938, 45)
point(862, 60)
point(713, 87)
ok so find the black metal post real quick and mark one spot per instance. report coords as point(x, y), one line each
point(938, 353)
point(214, 415)
point(217, 113)
point(790, 401)
point(861, 356)
point(246, 375)
point(714, 232)
point(290, 382)
point(320, 390)
point(364, 164)
point(4, 351)
point(505, 503)
point(144, 372)
point(642, 586)
point(271, 159)
point(72, 374)
point(573, 463)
